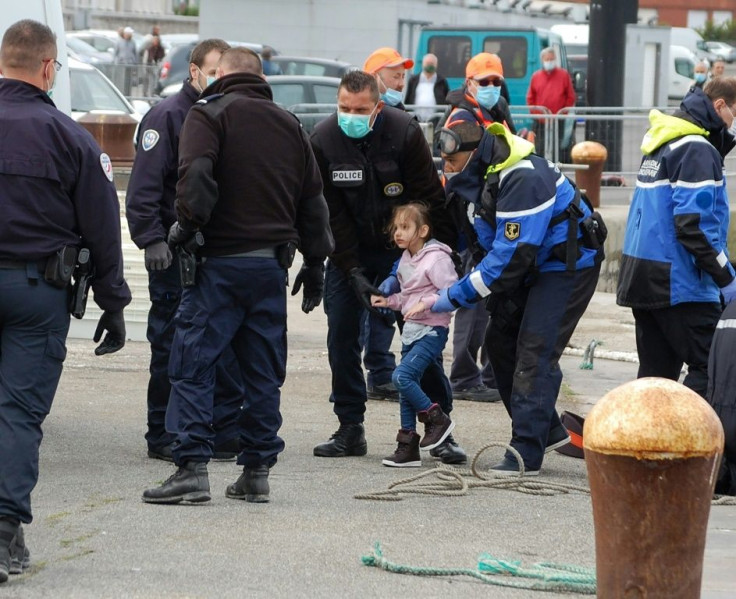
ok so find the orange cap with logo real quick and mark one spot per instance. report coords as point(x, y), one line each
point(386, 57)
point(483, 66)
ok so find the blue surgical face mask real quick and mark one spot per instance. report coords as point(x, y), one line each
point(391, 97)
point(700, 77)
point(488, 96)
point(355, 126)
point(210, 80)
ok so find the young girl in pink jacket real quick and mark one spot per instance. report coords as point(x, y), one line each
point(424, 268)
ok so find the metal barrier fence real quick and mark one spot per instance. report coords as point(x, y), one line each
point(133, 80)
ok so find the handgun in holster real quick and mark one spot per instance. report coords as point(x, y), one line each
point(84, 272)
point(187, 254)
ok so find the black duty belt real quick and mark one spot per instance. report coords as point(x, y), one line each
point(23, 264)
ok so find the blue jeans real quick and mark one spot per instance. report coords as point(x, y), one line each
point(238, 303)
point(416, 359)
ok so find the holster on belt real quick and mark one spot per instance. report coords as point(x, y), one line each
point(59, 267)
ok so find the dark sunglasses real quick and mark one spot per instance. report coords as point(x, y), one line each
point(450, 142)
point(487, 82)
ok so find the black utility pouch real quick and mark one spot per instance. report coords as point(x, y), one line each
point(60, 266)
point(285, 254)
point(594, 231)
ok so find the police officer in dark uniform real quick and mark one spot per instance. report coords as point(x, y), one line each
point(149, 208)
point(543, 249)
point(56, 194)
point(250, 186)
point(372, 158)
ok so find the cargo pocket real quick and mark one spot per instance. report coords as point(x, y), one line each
point(186, 348)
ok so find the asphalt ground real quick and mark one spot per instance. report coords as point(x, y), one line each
point(92, 537)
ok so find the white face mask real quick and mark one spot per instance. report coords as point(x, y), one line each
point(732, 128)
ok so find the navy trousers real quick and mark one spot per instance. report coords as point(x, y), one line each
point(237, 303)
point(529, 330)
point(34, 322)
point(165, 293)
point(344, 316)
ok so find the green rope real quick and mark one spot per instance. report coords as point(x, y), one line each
point(589, 354)
point(545, 576)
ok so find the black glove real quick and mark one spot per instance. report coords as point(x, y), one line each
point(363, 287)
point(313, 278)
point(157, 256)
point(177, 235)
point(114, 324)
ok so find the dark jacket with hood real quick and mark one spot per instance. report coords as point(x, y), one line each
point(675, 247)
point(247, 174)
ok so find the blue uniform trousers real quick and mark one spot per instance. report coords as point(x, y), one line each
point(344, 316)
point(529, 330)
point(238, 303)
point(377, 334)
point(165, 293)
point(34, 322)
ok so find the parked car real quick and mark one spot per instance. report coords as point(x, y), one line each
point(298, 93)
point(169, 40)
point(104, 40)
point(91, 91)
point(175, 66)
point(723, 50)
point(316, 67)
point(83, 52)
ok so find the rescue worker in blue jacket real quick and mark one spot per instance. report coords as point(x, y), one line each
point(674, 267)
point(149, 208)
point(537, 276)
point(371, 157)
point(253, 203)
point(56, 195)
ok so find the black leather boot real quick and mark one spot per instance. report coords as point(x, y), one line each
point(20, 557)
point(189, 483)
point(8, 531)
point(348, 440)
point(252, 486)
point(449, 452)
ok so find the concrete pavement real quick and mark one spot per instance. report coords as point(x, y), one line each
point(92, 536)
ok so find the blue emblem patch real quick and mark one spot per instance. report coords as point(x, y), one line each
point(150, 139)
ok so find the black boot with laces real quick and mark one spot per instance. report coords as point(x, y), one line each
point(189, 483)
point(348, 440)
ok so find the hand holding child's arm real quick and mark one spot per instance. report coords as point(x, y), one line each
point(378, 301)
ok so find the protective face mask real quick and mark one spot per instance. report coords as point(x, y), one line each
point(488, 96)
point(548, 65)
point(355, 125)
point(391, 97)
point(700, 77)
point(430, 69)
point(732, 129)
point(449, 176)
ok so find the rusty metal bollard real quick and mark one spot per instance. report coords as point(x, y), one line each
point(652, 449)
point(594, 155)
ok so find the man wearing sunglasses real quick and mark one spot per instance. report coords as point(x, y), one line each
point(57, 195)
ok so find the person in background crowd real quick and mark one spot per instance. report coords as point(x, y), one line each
point(551, 87)
point(149, 209)
point(718, 68)
point(427, 89)
point(701, 74)
point(674, 266)
point(57, 195)
point(269, 68)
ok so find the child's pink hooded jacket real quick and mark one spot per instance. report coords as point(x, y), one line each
point(420, 277)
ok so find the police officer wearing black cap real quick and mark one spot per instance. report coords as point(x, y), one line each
point(250, 187)
point(372, 158)
point(57, 195)
point(149, 208)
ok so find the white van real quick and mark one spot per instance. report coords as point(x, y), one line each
point(681, 72)
point(48, 12)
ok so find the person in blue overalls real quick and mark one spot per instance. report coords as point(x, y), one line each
point(538, 274)
point(57, 195)
point(149, 208)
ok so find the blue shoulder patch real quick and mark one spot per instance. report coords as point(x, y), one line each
point(211, 98)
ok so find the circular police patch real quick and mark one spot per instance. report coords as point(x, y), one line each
point(393, 190)
point(150, 139)
point(106, 165)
